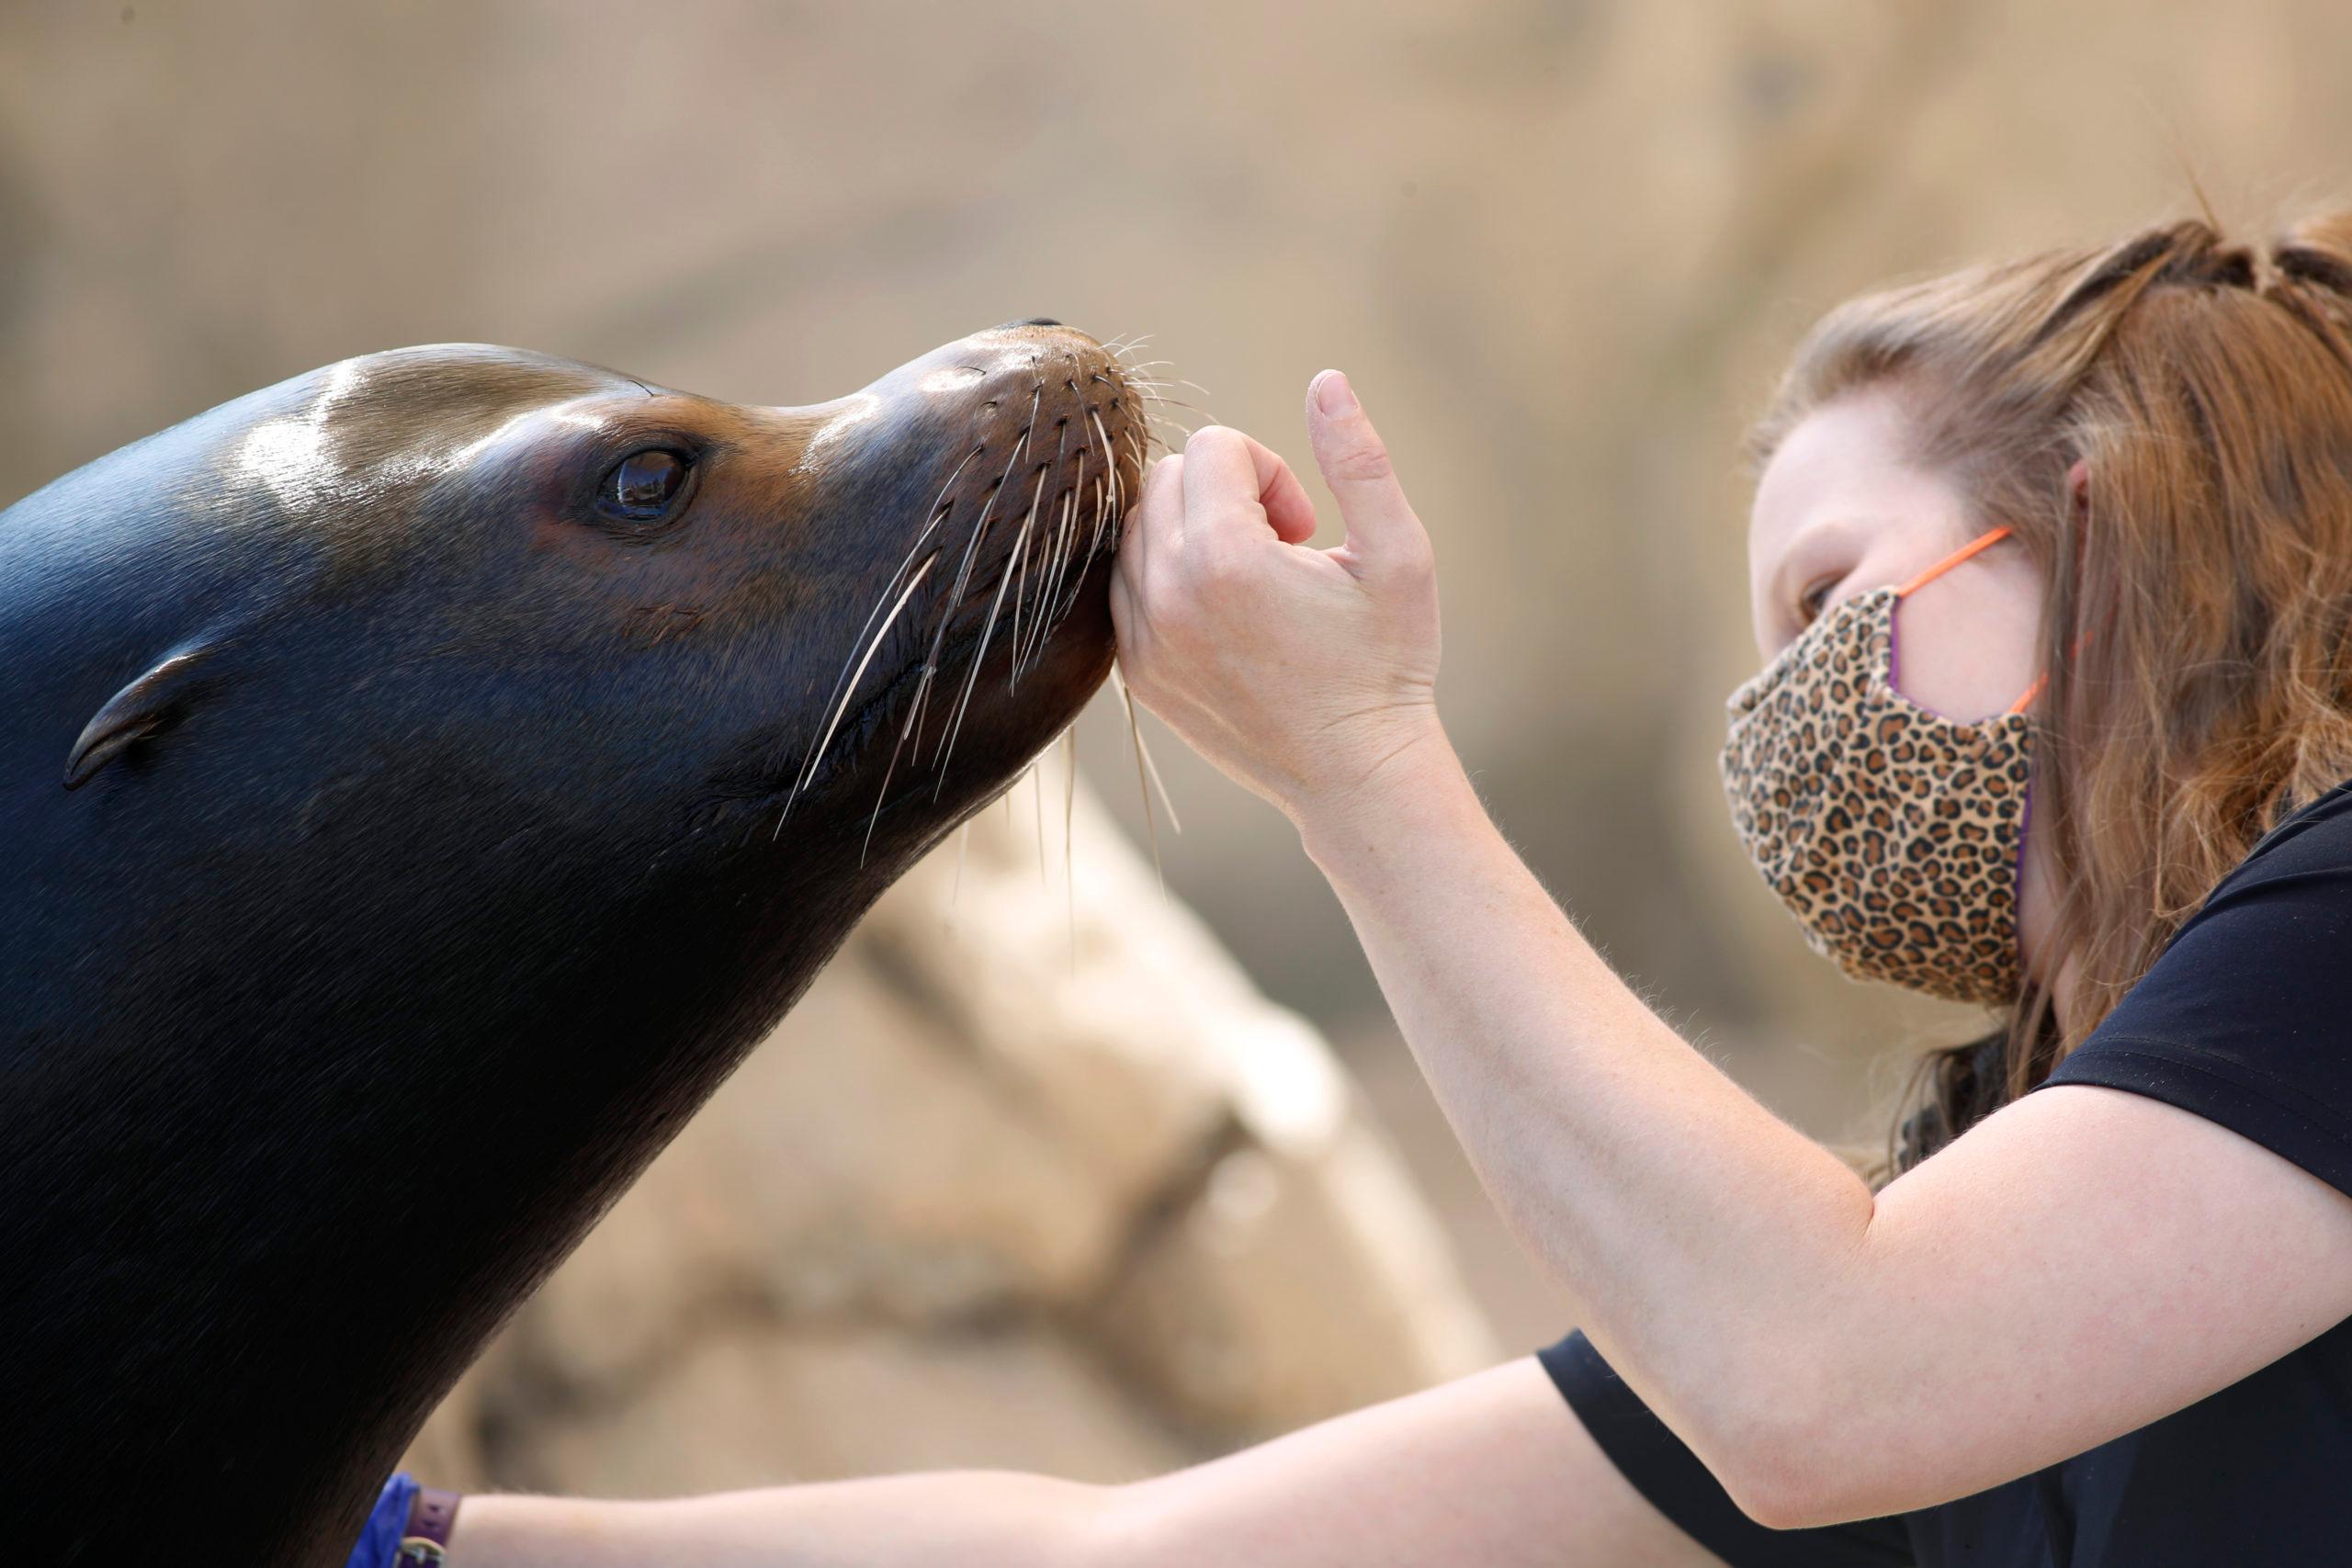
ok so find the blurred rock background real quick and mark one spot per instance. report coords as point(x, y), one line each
point(1560, 246)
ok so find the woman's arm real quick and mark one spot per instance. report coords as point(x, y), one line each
point(1493, 1470)
point(2083, 1263)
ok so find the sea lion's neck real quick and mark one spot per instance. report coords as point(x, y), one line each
point(319, 1203)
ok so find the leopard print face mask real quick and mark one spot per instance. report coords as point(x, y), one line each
point(1894, 834)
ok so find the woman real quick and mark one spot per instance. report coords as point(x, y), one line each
point(2082, 524)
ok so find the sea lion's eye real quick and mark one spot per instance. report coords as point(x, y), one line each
point(642, 484)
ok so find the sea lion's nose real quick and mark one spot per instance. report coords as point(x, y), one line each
point(1035, 321)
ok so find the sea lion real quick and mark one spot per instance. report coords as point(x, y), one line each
point(422, 780)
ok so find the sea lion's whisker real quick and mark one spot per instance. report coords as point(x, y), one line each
point(1061, 442)
point(954, 599)
point(1134, 734)
point(940, 509)
point(880, 599)
point(963, 847)
point(1167, 803)
point(971, 680)
point(972, 545)
point(1017, 567)
point(1013, 674)
point(1017, 658)
point(1102, 517)
point(1051, 588)
point(1068, 544)
point(1135, 441)
point(1037, 782)
point(1076, 489)
point(882, 795)
point(988, 628)
point(1020, 549)
point(1110, 450)
point(881, 798)
point(1070, 833)
point(915, 710)
point(1094, 538)
point(912, 583)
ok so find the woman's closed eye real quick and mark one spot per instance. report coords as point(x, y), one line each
point(1812, 598)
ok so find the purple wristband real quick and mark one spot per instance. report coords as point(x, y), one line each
point(409, 1527)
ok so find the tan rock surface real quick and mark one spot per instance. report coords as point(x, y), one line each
point(755, 1406)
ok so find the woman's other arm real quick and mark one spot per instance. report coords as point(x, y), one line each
point(1492, 1469)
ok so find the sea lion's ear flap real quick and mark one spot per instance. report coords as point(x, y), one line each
point(150, 704)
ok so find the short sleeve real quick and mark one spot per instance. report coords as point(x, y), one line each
point(2246, 1017)
point(1669, 1475)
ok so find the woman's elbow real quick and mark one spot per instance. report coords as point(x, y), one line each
point(1801, 1469)
point(1786, 1498)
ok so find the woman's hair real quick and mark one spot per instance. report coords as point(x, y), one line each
point(2198, 627)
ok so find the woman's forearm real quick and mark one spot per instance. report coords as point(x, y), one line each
point(1706, 1243)
point(1490, 1469)
point(975, 1520)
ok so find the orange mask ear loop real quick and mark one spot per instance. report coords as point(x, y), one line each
point(1981, 542)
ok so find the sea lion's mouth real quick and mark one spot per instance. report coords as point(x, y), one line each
point(896, 715)
point(937, 692)
point(1009, 568)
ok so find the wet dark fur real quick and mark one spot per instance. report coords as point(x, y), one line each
point(440, 886)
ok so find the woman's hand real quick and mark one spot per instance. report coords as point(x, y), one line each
point(1305, 675)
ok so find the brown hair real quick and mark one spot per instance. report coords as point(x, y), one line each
point(2198, 628)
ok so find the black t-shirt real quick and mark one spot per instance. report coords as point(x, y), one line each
point(2247, 1019)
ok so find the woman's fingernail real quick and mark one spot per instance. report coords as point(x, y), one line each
point(1333, 395)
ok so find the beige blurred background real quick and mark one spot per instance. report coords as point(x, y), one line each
point(1561, 247)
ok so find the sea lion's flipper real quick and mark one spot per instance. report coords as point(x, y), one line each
point(150, 704)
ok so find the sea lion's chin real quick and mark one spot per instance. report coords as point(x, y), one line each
point(876, 782)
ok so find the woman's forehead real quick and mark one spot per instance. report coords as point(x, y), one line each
point(1843, 465)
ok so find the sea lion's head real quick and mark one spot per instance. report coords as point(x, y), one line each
point(621, 609)
point(420, 781)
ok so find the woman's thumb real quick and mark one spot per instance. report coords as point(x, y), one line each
point(1356, 464)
